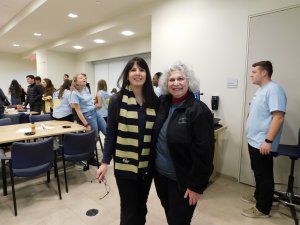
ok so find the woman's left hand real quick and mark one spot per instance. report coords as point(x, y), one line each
point(88, 128)
point(193, 196)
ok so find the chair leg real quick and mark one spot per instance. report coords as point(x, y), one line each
point(13, 189)
point(101, 146)
point(4, 179)
point(48, 176)
point(97, 158)
point(65, 172)
point(57, 176)
point(288, 197)
point(294, 214)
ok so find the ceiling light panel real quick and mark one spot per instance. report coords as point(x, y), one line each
point(127, 33)
point(72, 15)
point(37, 34)
point(77, 47)
point(99, 41)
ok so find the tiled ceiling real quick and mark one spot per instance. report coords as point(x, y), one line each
point(103, 19)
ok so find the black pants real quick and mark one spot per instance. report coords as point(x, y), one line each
point(134, 196)
point(66, 118)
point(36, 108)
point(177, 208)
point(262, 166)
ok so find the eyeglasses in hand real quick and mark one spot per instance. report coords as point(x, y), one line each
point(107, 187)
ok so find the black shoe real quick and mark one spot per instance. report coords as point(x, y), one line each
point(93, 162)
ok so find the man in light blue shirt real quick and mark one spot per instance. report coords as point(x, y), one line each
point(264, 127)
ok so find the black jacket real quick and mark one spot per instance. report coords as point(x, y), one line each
point(190, 137)
point(2, 102)
point(34, 95)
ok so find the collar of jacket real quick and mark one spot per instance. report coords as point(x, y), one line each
point(167, 99)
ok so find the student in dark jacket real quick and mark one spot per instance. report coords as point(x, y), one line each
point(183, 134)
point(2, 103)
point(131, 115)
point(34, 95)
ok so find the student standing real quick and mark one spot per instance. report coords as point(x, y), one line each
point(82, 102)
point(264, 127)
point(62, 109)
point(47, 96)
point(16, 91)
point(34, 95)
point(131, 114)
point(102, 99)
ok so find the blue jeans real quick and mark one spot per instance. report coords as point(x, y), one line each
point(97, 123)
point(15, 100)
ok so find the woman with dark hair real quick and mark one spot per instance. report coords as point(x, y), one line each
point(16, 92)
point(62, 109)
point(47, 96)
point(131, 114)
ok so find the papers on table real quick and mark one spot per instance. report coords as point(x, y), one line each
point(42, 127)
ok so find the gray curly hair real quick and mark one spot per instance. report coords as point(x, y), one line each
point(193, 83)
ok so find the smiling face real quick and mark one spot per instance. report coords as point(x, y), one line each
point(137, 76)
point(177, 84)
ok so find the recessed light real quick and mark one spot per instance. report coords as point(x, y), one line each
point(16, 45)
point(99, 41)
point(77, 47)
point(72, 15)
point(127, 33)
point(37, 34)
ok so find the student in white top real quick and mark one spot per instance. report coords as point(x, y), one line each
point(62, 109)
point(102, 99)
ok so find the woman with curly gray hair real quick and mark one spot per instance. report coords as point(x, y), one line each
point(183, 136)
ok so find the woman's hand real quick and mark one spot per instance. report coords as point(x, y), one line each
point(88, 128)
point(193, 196)
point(100, 174)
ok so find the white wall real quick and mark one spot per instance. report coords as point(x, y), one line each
point(58, 64)
point(132, 47)
point(14, 67)
point(211, 37)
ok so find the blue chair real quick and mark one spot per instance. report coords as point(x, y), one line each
point(39, 118)
point(289, 198)
point(32, 159)
point(78, 147)
point(5, 121)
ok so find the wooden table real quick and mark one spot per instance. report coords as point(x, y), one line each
point(16, 112)
point(9, 133)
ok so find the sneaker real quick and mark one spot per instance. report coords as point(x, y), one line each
point(253, 212)
point(249, 199)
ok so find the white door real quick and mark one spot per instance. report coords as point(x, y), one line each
point(275, 36)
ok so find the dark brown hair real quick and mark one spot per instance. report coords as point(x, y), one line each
point(265, 65)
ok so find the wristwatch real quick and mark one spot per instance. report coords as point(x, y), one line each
point(268, 141)
point(86, 125)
